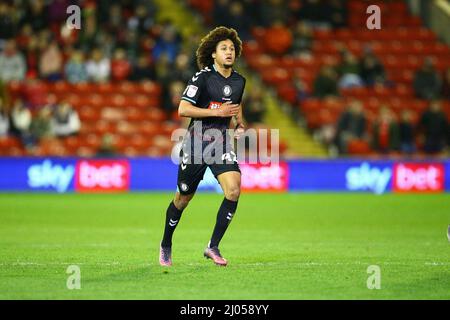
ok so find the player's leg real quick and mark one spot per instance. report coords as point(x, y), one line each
point(230, 182)
point(189, 176)
point(173, 215)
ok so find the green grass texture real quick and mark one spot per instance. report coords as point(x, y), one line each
point(279, 246)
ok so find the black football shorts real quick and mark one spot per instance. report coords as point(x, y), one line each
point(190, 174)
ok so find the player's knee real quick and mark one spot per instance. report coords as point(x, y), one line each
point(181, 202)
point(233, 193)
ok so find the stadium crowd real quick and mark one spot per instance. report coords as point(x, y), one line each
point(289, 31)
point(119, 41)
point(122, 41)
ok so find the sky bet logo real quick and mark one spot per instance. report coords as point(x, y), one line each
point(47, 175)
point(365, 178)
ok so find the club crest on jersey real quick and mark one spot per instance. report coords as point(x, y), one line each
point(184, 187)
point(227, 91)
point(214, 105)
point(191, 91)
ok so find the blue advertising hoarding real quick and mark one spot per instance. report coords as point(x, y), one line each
point(340, 175)
point(62, 175)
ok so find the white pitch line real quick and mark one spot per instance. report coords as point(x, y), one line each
point(256, 264)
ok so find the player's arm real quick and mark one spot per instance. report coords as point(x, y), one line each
point(239, 123)
point(187, 109)
point(239, 120)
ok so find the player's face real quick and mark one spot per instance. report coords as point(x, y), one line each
point(225, 53)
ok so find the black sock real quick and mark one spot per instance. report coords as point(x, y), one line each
point(173, 216)
point(224, 216)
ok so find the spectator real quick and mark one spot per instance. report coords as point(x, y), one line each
point(107, 148)
point(32, 52)
point(98, 66)
point(278, 38)
point(35, 15)
point(182, 70)
point(254, 108)
point(371, 69)
point(132, 45)
point(57, 11)
point(273, 11)
point(312, 12)
point(351, 125)
point(142, 70)
point(65, 121)
point(171, 96)
point(385, 132)
point(75, 69)
point(406, 132)
point(12, 63)
point(427, 84)
point(115, 21)
point(337, 14)
point(20, 118)
point(40, 127)
point(168, 43)
point(221, 14)
point(348, 71)
point(4, 119)
point(302, 40)
point(142, 21)
point(120, 66)
point(446, 85)
point(8, 24)
point(238, 20)
point(433, 123)
point(301, 90)
point(51, 62)
point(89, 34)
point(325, 83)
point(163, 70)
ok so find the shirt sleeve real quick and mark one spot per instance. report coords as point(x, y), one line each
point(194, 88)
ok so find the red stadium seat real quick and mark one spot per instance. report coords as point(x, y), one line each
point(358, 147)
point(311, 105)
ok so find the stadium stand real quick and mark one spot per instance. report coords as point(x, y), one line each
point(138, 116)
point(401, 46)
point(123, 106)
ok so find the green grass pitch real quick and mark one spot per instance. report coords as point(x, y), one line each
point(279, 246)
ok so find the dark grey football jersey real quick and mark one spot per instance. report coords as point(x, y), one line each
point(209, 89)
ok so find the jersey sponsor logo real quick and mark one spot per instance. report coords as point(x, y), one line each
point(418, 177)
point(214, 105)
point(191, 91)
point(227, 91)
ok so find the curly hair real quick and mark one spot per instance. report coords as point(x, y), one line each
point(209, 43)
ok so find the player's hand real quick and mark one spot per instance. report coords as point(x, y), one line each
point(227, 109)
point(239, 131)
